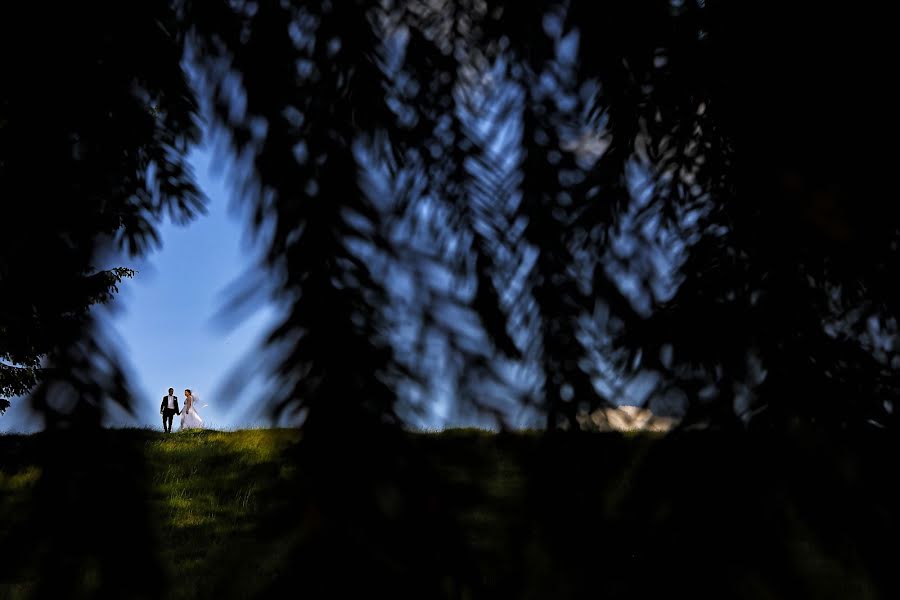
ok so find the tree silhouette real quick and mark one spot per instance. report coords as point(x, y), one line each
point(655, 192)
point(782, 311)
point(93, 139)
point(661, 90)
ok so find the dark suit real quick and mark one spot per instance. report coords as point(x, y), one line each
point(168, 413)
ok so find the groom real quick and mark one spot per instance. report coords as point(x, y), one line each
point(168, 409)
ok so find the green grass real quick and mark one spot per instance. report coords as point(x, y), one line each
point(493, 515)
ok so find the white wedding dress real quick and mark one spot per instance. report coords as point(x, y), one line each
point(190, 418)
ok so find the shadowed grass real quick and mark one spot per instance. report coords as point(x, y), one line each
point(559, 516)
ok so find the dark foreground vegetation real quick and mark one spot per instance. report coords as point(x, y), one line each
point(502, 515)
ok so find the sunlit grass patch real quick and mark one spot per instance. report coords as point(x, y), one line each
point(255, 445)
point(21, 480)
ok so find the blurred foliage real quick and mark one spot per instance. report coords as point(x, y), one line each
point(87, 166)
point(511, 205)
point(520, 211)
point(554, 205)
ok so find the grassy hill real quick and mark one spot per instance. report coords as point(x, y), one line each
point(236, 514)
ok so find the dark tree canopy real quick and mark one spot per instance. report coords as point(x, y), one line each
point(552, 203)
point(94, 130)
point(546, 206)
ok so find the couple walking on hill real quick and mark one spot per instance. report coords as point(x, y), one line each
point(168, 408)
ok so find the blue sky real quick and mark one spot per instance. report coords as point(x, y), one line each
point(168, 327)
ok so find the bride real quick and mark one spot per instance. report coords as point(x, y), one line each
point(190, 418)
